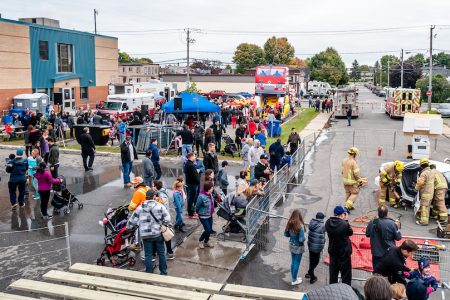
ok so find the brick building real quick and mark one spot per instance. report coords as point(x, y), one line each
point(137, 72)
point(51, 60)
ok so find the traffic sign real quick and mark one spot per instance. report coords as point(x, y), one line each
point(429, 93)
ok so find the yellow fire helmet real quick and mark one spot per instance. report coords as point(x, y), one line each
point(353, 150)
point(424, 161)
point(399, 166)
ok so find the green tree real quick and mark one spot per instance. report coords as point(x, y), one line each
point(228, 67)
point(278, 51)
point(442, 59)
point(364, 68)
point(393, 61)
point(328, 66)
point(125, 57)
point(441, 88)
point(418, 59)
point(143, 60)
point(193, 88)
point(248, 56)
point(356, 72)
point(377, 70)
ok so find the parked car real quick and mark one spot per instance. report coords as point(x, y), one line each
point(411, 172)
point(216, 94)
point(382, 93)
point(231, 97)
point(246, 95)
point(444, 110)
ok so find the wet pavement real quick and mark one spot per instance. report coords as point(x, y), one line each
point(321, 190)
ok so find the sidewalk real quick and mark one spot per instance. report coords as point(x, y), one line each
point(316, 125)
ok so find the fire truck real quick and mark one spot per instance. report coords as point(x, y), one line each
point(272, 88)
point(400, 101)
point(345, 99)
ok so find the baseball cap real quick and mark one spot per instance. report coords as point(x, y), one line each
point(128, 137)
point(19, 151)
point(339, 210)
point(263, 156)
point(151, 194)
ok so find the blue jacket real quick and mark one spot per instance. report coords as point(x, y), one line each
point(295, 238)
point(155, 153)
point(204, 206)
point(17, 168)
point(429, 281)
point(122, 127)
point(316, 236)
point(262, 138)
point(178, 201)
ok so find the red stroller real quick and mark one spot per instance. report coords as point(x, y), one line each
point(117, 248)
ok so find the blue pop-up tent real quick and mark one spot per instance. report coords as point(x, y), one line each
point(191, 103)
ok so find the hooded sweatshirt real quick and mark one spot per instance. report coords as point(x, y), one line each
point(338, 231)
point(17, 169)
point(316, 235)
point(149, 228)
point(45, 180)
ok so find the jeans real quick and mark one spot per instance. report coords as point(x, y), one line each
point(126, 168)
point(149, 245)
point(218, 141)
point(295, 265)
point(275, 163)
point(207, 228)
point(349, 120)
point(343, 265)
point(54, 172)
point(158, 171)
point(85, 155)
point(192, 194)
point(34, 182)
point(12, 187)
point(375, 261)
point(185, 149)
point(121, 137)
point(45, 197)
point(314, 259)
point(252, 173)
point(198, 146)
point(179, 216)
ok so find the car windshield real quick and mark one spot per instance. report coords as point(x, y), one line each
point(444, 106)
point(112, 105)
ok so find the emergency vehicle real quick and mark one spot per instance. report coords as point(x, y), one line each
point(345, 99)
point(272, 88)
point(123, 105)
point(400, 101)
point(168, 90)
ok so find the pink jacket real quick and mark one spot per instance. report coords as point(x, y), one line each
point(45, 180)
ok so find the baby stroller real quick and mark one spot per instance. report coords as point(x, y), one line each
point(115, 219)
point(63, 199)
point(117, 248)
point(230, 146)
point(227, 211)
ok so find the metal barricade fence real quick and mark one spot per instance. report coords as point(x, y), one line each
point(164, 134)
point(258, 209)
point(31, 253)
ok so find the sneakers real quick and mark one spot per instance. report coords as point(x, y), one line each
point(47, 217)
point(201, 245)
point(297, 282)
point(14, 207)
point(170, 256)
point(213, 232)
point(307, 275)
point(193, 217)
point(313, 280)
point(208, 245)
point(22, 205)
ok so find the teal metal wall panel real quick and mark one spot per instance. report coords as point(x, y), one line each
point(45, 72)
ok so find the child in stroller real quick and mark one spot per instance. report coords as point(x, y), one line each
point(117, 239)
point(232, 209)
point(230, 146)
point(63, 199)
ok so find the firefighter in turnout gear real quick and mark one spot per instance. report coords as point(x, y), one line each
point(439, 210)
point(390, 177)
point(425, 186)
point(351, 178)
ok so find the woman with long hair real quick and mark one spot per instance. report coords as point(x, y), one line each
point(45, 181)
point(295, 231)
point(209, 137)
point(26, 136)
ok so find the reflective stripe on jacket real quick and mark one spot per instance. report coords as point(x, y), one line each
point(387, 174)
point(425, 184)
point(138, 197)
point(350, 171)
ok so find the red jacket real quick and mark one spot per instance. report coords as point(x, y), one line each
point(251, 127)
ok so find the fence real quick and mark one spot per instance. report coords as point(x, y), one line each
point(30, 253)
point(259, 208)
point(164, 134)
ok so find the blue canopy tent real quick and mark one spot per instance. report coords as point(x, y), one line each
point(191, 103)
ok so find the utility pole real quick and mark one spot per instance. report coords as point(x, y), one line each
point(95, 20)
point(401, 71)
point(388, 82)
point(188, 42)
point(430, 84)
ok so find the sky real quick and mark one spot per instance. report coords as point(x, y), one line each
point(358, 29)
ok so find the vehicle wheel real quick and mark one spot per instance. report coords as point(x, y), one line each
point(80, 205)
point(66, 211)
point(132, 261)
point(71, 205)
point(244, 239)
point(221, 237)
point(100, 261)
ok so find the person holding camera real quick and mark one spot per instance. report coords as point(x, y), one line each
point(262, 168)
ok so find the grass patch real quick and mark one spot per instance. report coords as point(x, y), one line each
point(299, 122)
point(14, 142)
point(433, 111)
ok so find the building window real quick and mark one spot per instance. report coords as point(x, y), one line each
point(138, 80)
point(83, 93)
point(123, 69)
point(65, 60)
point(43, 50)
point(138, 70)
point(130, 69)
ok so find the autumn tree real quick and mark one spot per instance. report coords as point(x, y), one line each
point(248, 56)
point(278, 51)
point(328, 66)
